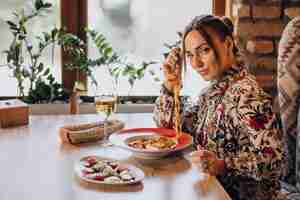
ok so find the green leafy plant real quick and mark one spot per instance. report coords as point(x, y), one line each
point(132, 71)
point(42, 85)
point(34, 70)
point(78, 58)
point(117, 66)
point(47, 92)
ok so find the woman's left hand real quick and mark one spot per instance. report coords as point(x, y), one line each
point(207, 162)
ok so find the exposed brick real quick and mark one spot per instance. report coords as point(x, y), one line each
point(292, 12)
point(260, 35)
point(262, 47)
point(268, 38)
point(259, 28)
point(266, 81)
point(273, 11)
point(259, 2)
point(293, 3)
point(240, 10)
point(266, 63)
point(243, 10)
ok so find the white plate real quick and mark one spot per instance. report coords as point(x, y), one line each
point(122, 139)
point(137, 173)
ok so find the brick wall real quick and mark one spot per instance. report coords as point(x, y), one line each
point(258, 26)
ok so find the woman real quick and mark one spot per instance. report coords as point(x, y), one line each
point(289, 94)
point(232, 120)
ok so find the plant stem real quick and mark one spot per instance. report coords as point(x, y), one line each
point(33, 64)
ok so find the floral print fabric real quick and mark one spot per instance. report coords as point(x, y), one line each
point(234, 118)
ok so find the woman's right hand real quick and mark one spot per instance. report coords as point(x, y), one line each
point(207, 162)
point(172, 69)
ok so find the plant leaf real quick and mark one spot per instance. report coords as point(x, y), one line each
point(47, 5)
point(140, 73)
point(108, 51)
point(40, 67)
point(11, 24)
point(38, 4)
point(47, 71)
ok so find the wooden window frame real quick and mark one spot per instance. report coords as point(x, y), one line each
point(74, 19)
point(219, 7)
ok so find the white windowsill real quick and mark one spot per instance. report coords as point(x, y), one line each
point(87, 108)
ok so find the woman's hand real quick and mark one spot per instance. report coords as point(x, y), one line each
point(207, 162)
point(172, 69)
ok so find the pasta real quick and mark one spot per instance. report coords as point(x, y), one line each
point(177, 111)
point(155, 143)
point(177, 103)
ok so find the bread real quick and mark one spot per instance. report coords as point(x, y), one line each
point(89, 132)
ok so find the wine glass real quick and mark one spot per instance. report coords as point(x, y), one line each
point(105, 104)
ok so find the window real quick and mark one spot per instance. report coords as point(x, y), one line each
point(41, 24)
point(138, 29)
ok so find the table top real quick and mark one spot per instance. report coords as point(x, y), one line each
point(35, 165)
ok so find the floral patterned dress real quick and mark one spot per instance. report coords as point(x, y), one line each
point(233, 117)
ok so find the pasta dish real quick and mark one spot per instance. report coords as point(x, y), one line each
point(153, 143)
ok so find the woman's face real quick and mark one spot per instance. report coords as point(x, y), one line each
point(202, 57)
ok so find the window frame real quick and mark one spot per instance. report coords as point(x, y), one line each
point(74, 20)
point(219, 7)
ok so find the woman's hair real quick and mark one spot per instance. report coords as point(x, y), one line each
point(223, 27)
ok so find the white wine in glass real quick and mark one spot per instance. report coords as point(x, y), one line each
point(106, 106)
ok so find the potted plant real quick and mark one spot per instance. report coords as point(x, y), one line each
point(43, 88)
point(33, 70)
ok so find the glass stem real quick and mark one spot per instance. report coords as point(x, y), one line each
point(105, 129)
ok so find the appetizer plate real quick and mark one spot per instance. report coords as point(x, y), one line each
point(125, 137)
point(95, 169)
